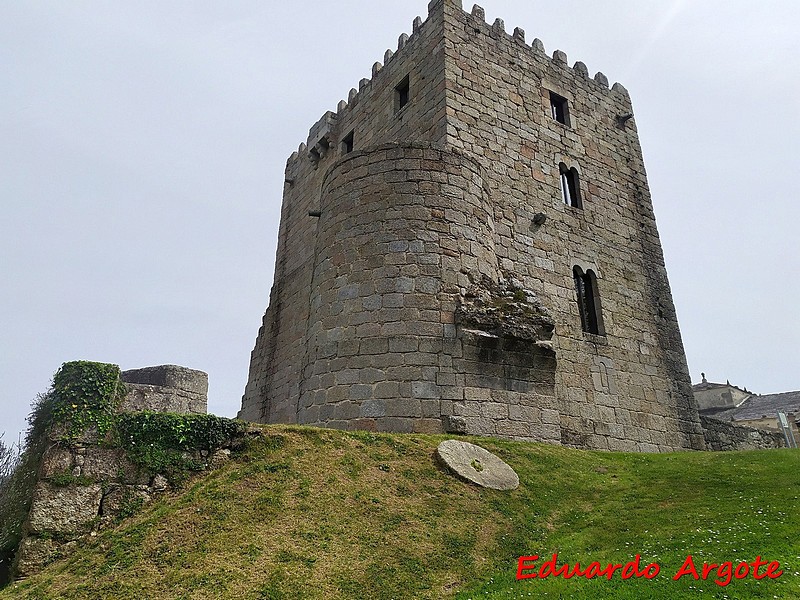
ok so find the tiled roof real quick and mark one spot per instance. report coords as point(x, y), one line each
point(756, 407)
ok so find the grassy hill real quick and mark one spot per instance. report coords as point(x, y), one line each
point(311, 513)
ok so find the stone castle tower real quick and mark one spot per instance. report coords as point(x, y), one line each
point(468, 245)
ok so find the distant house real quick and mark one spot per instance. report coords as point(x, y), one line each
point(713, 398)
point(727, 402)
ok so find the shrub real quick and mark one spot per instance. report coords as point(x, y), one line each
point(20, 466)
point(167, 443)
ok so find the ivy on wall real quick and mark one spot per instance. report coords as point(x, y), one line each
point(170, 443)
point(86, 394)
point(83, 394)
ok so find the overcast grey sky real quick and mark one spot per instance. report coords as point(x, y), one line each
point(142, 148)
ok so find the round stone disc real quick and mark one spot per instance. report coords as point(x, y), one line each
point(477, 465)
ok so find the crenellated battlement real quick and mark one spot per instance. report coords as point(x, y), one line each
point(558, 57)
point(470, 185)
point(322, 135)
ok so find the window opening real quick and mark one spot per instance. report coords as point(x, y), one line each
point(570, 188)
point(559, 108)
point(588, 301)
point(401, 93)
point(347, 143)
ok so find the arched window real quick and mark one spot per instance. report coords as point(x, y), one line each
point(588, 301)
point(570, 187)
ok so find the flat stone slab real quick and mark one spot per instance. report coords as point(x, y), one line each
point(477, 465)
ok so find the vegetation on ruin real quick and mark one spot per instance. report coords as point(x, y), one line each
point(311, 513)
point(20, 468)
point(85, 394)
point(169, 443)
point(84, 398)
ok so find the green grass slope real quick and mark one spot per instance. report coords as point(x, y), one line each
point(311, 513)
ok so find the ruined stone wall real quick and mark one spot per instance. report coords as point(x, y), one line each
point(165, 388)
point(371, 115)
point(628, 389)
point(84, 484)
point(720, 435)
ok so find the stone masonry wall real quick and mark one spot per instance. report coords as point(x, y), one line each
point(166, 388)
point(720, 435)
point(273, 388)
point(83, 485)
point(628, 389)
point(362, 328)
point(404, 231)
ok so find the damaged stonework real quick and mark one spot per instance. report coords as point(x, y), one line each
point(166, 388)
point(508, 363)
point(63, 509)
point(86, 482)
point(506, 309)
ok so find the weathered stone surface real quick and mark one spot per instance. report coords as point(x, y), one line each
point(60, 433)
point(106, 463)
point(170, 376)
point(34, 553)
point(477, 465)
point(64, 509)
point(162, 399)
point(165, 388)
point(505, 308)
point(444, 225)
point(219, 458)
point(119, 497)
point(55, 461)
point(720, 435)
point(455, 424)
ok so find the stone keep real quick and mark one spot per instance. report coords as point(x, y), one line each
point(468, 245)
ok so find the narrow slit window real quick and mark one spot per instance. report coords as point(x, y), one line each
point(559, 108)
point(588, 301)
point(401, 94)
point(347, 143)
point(570, 186)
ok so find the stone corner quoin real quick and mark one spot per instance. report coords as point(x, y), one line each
point(467, 245)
